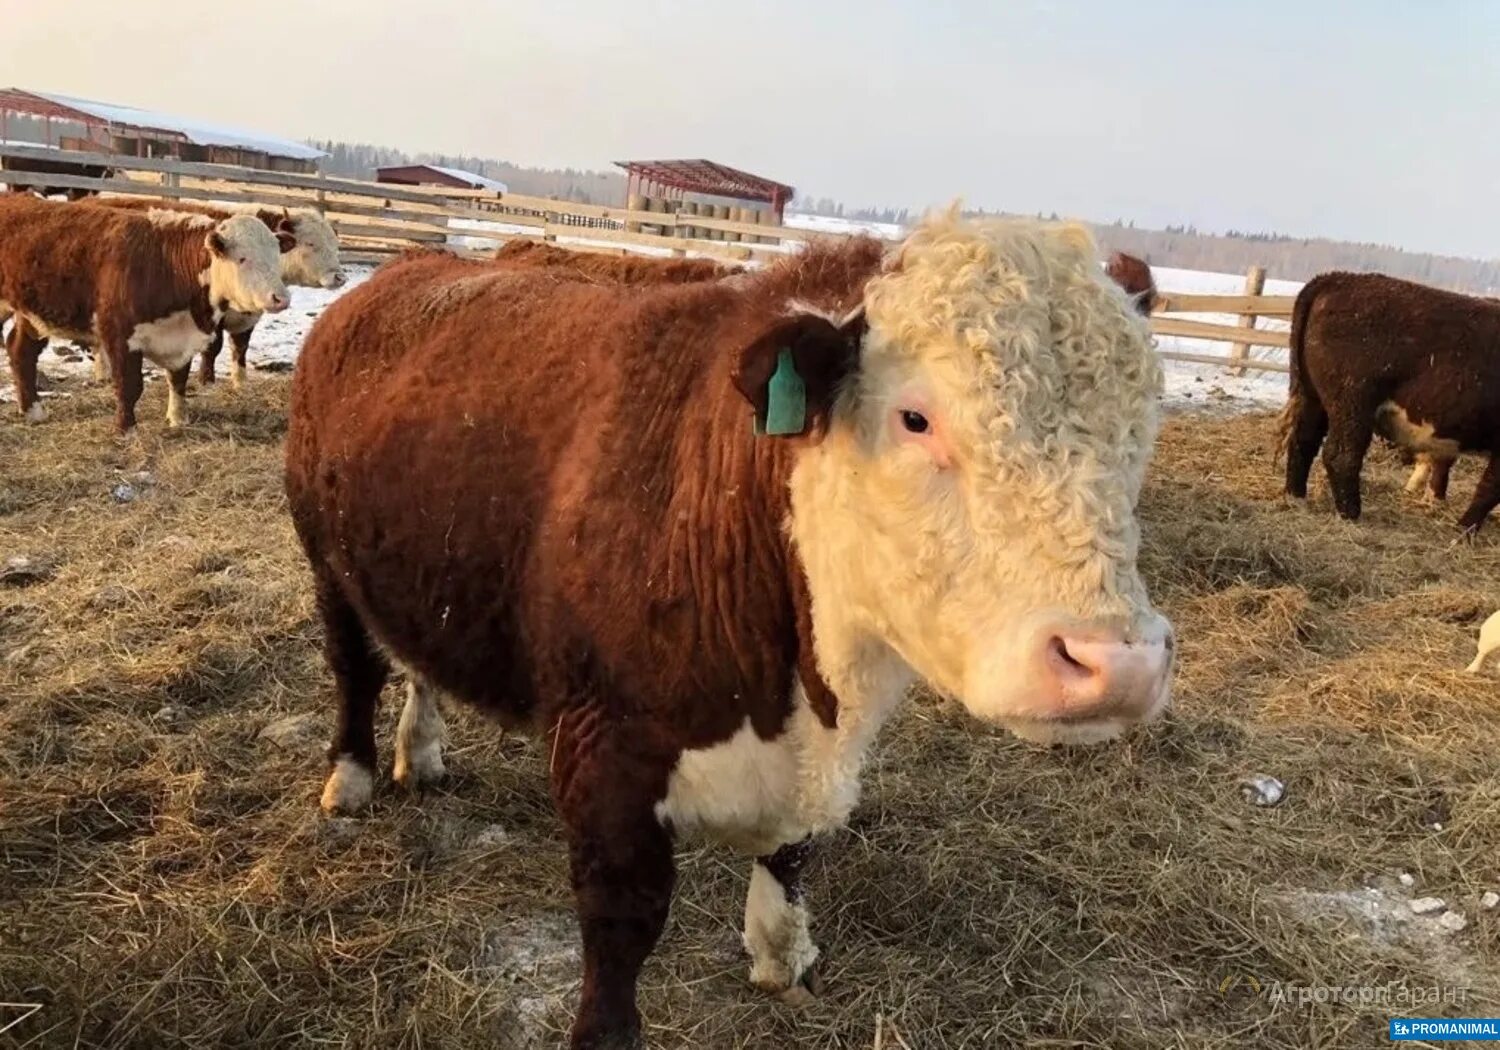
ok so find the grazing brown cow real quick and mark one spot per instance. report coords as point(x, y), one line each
point(545, 495)
point(622, 269)
point(1373, 354)
point(132, 285)
point(312, 262)
point(1134, 275)
point(54, 167)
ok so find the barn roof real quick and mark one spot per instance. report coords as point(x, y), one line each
point(436, 175)
point(710, 177)
point(66, 107)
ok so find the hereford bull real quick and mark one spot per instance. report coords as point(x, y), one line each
point(702, 537)
point(1374, 354)
point(312, 262)
point(154, 285)
point(1133, 275)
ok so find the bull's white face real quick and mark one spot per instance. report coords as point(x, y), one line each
point(972, 505)
point(244, 269)
point(314, 261)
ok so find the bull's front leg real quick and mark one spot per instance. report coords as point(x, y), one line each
point(177, 395)
point(125, 366)
point(621, 860)
point(207, 358)
point(239, 345)
point(24, 347)
point(781, 949)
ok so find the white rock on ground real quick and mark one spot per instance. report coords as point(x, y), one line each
point(295, 732)
point(1405, 878)
point(1489, 900)
point(1262, 790)
point(1428, 905)
point(1452, 921)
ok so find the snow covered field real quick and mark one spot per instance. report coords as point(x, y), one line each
point(1188, 386)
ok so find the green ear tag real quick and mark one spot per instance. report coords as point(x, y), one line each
point(786, 398)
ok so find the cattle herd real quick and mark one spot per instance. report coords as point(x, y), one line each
point(701, 528)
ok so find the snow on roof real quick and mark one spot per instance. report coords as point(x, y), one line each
point(479, 182)
point(197, 133)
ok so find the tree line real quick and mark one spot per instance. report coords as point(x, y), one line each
point(1184, 247)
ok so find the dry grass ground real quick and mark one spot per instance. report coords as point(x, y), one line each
point(166, 879)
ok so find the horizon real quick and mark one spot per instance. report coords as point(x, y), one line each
point(1367, 124)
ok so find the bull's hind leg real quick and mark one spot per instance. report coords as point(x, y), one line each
point(1420, 474)
point(1486, 497)
point(1344, 456)
point(1308, 428)
point(360, 671)
point(781, 949)
point(419, 736)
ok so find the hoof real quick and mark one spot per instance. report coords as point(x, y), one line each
point(422, 768)
point(349, 788)
point(800, 992)
point(36, 413)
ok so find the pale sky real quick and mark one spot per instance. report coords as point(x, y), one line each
point(1371, 120)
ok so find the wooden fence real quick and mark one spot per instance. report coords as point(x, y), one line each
point(376, 220)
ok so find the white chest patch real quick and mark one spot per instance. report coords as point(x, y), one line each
point(170, 341)
point(757, 795)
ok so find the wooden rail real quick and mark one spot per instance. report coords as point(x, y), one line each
point(376, 220)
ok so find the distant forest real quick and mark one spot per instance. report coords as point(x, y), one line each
point(1290, 258)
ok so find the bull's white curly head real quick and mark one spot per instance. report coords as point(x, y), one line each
point(244, 265)
point(971, 505)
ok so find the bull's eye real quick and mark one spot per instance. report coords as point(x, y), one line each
point(914, 421)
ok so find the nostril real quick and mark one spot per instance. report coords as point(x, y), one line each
point(1066, 663)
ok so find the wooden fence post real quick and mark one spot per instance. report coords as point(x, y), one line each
point(1255, 284)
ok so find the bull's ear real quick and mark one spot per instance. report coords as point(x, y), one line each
point(285, 241)
point(790, 371)
point(216, 245)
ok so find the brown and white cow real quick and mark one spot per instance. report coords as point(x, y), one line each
point(1134, 275)
point(1374, 354)
point(545, 495)
point(622, 269)
point(312, 262)
point(132, 285)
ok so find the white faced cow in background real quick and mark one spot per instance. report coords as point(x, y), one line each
point(133, 286)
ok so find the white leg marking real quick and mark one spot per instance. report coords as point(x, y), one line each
point(36, 413)
point(176, 413)
point(236, 375)
point(350, 787)
point(781, 950)
point(101, 366)
point(419, 737)
point(1419, 474)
